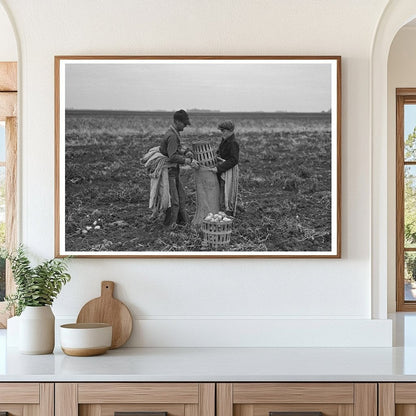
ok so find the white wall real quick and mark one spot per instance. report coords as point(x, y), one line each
point(8, 46)
point(401, 74)
point(199, 302)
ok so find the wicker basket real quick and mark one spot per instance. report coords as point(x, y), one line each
point(204, 154)
point(216, 235)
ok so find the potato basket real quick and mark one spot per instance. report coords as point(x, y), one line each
point(216, 235)
point(204, 154)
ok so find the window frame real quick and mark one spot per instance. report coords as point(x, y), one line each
point(403, 96)
point(8, 113)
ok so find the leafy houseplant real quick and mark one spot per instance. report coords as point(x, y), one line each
point(36, 289)
point(35, 286)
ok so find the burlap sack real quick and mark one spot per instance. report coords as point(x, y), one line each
point(207, 194)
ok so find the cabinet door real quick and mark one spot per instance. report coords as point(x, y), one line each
point(142, 399)
point(26, 399)
point(397, 399)
point(297, 399)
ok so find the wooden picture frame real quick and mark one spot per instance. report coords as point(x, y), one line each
point(286, 114)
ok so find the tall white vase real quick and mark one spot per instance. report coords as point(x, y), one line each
point(12, 334)
point(37, 330)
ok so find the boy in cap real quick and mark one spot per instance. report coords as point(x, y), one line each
point(228, 154)
point(171, 147)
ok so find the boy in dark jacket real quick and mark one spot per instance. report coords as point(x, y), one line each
point(228, 154)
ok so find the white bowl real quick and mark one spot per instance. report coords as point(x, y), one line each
point(83, 340)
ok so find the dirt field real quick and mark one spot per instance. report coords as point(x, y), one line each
point(285, 183)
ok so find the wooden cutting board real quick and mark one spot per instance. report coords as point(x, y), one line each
point(109, 310)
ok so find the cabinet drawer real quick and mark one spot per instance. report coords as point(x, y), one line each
point(21, 399)
point(19, 393)
point(147, 399)
point(296, 399)
point(138, 393)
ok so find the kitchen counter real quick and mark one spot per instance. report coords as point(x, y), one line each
point(215, 364)
point(222, 364)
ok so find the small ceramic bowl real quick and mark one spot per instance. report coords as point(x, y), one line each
point(83, 340)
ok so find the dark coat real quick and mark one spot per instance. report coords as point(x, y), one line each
point(229, 150)
point(171, 147)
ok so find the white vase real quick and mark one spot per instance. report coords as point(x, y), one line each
point(37, 330)
point(12, 334)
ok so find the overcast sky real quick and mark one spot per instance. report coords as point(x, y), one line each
point(214, 86)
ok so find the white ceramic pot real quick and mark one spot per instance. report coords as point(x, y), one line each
point(85, 339)
point(37, 330)
point(12, 334)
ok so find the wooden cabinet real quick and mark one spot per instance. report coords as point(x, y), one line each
point(208, 399)
point(264, 399)
point(27, 399)
point(106, 399)
point(397, 399)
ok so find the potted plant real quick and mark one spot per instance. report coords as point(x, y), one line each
point(36, 289)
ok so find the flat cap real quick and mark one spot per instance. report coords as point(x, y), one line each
point(226, 125)
point(182, 115)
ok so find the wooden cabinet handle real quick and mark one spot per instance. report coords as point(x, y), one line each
point(295, 413)
point(139, 414)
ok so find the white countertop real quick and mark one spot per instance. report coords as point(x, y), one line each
point(221, 364)
point(215, 364)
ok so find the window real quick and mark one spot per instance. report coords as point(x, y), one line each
point(8, 166)
point(406, 199)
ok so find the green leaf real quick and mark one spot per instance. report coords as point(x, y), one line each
point(35, 286)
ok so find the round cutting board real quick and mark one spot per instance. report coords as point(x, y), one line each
point(108, 310)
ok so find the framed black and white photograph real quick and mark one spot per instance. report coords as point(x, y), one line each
point(198, 156)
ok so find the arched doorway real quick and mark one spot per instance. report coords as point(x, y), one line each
point(395, 16)
point(401, 101)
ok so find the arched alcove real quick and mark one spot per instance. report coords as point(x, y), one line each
point(395, 16)
point(401, 75)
